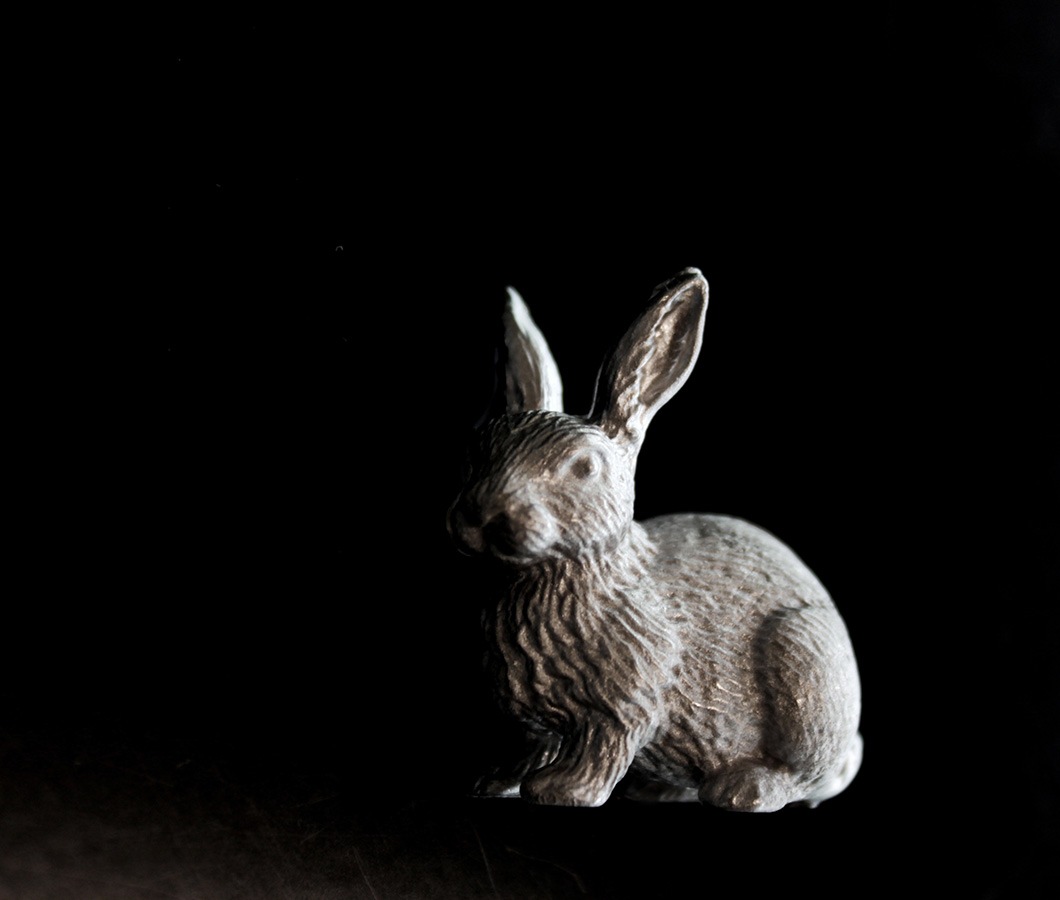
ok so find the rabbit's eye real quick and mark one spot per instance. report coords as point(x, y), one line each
point(585, 466)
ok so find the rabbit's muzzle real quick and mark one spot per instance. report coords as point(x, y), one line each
point(508, 529)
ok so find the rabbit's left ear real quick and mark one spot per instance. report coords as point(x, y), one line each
point(653, 359)
point(531, 377)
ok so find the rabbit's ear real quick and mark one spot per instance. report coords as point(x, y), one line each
point(531, 377)
point(653, 359)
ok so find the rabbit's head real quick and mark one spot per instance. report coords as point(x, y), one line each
point(542, 484)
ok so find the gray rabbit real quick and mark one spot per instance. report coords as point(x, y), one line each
point(687, 656)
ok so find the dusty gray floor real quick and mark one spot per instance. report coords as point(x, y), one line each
point(88, 818)
point(101, 815)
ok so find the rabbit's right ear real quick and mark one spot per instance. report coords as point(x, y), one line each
point(653, 359)
point(531, 377)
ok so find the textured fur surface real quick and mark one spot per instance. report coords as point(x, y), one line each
point(687, 656)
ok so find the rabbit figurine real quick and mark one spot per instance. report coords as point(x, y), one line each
point(687, 656)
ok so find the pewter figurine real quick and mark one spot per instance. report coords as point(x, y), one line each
point(684, 657)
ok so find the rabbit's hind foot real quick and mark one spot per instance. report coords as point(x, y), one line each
point(750, 788)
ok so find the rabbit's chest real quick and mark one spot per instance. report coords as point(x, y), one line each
point(558, 651)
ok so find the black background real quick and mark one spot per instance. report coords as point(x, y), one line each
point(246, 662)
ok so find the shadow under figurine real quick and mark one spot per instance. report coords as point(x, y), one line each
point(687, 656)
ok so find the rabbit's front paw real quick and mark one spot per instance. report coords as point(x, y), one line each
point(495, 786)
point(554, 788)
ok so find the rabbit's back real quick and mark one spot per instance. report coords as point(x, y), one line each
point(727, 569)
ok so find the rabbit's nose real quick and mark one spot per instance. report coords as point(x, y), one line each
point(502, 533)
point(469, 515)
point(463, 524)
